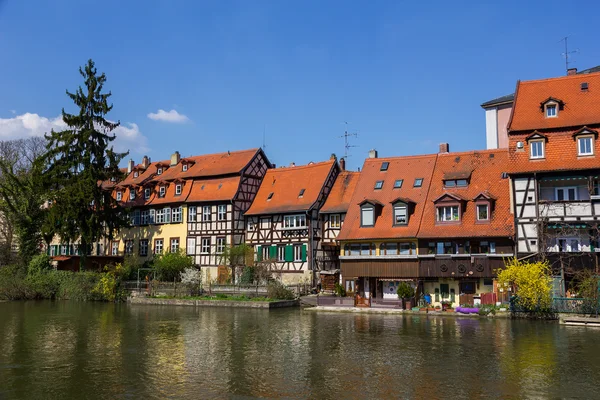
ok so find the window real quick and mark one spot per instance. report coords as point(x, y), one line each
point(366, 249)
point(450, 183)
point(151, 216)
point(297, 252)
point(119, 196)
point(135, 174)
point(114, 248)
point(135, 217)
point(178, 189)
point(280, 253)
point(162, 191)
point(482, 212)
point(184, 167)
point(585, 145)
point(192, 214)
point(418, 182)
point(398, 183)
point(143, 247)
point(486, 247)
point(221, 245)
point(301, 194)
point(158, 246)
point(537, 148)
point(174, 245)
point(378, 185)
point(388, 249)
point(205, 246)
point(159, 171)
point(63, 250)
point(144, 217)
point(206, 213)
point(147, 193)
point(191, 246)
point(384, 166)
point(462, 183)
point(270, 196)
point(367, 217)
point(467, 287)
point(176, 214)
point(251, 226)
point(448, 213)
point(408, 248)
point(335, 221)
point(222, 212)
point(446, 248)
point(551, 110)
point(129, 247)
point(567, 193)
point(167, 215)
point(132, 194)
point(294, 221)
point(400, 214)
point(265, 253)
point(160, 216)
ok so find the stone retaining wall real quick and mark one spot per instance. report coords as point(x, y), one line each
point(214, 303)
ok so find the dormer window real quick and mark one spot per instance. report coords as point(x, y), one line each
point(301, 194)
point(483, 212)
point(178, 189)
point(585, 145)
point(159, 171)
point(119, 196)
point(378, 185)
point(136, 174)
point(161, 191)
point(400, 214)
point(132, 195)
point(551, 110)
point(536, 148)
point(451, 183)
point(184, 167)
point(147, 192)
point(113, 179)
point(367, 215)
point(384, 166)
point(418, 182)
point(398, 183)
point(448, 214)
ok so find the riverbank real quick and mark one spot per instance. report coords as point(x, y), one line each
point(214, 303)
point(366, 310)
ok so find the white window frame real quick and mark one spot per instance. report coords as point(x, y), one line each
point(132, 194)
point(144, 217)
point(542, 143)
point(136, 174)
point(191, 246)
point(167, 215)
point(147, 192)
point(192, 213)
point(162, 191)
point(222, 212)
point(365, 210)
point(294, 221)
point(221, 243)
point(580, 140)
point(446, 213)
point(487, 212)
point(159, 171)
point(114, 248)
point(158, 246)
point(205, 249)
point(176, 214)
point(119, 196)
point(151, 216)
point(551, 106)
point(565, 190)
point(297, 252)
point(206, 213)
point(184, 167)
point(160, 216)
point(398, 207)
point(280, 253)
point(178, 189)
point(335, 221)
point(174, 242)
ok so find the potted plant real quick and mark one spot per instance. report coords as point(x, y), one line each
point(405, 293)
point(446, 304)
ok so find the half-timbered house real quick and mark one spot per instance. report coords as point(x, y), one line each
point(554, 169)
point(283, 222)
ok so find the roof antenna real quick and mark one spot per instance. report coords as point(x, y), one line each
point(264, 146)
point(347, 144)
point(567, 53)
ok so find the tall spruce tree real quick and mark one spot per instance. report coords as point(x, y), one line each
point(81, 167)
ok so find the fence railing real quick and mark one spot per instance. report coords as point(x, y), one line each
point(576, 305)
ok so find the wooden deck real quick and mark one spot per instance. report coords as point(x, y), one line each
point(580, 321)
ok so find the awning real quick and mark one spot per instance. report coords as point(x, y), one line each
point(571, 226)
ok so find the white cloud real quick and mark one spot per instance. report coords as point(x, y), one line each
point(129, 136)
point(168, 116)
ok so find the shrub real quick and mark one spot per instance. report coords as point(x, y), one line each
point(405, 291)
point(38, 264)
point(339, 290)
point(247, 276)
point(531, 281)
point(169, 266)
point(276, 290)
point(192, 278)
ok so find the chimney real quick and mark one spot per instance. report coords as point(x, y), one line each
point(130, 166)
point(343, 164)
point(175, 157)
point(572, 71)
point(444, 148)
point(372, 153)
point(145, 162)
point(292, 164)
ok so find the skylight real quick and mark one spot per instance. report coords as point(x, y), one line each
point(418, 182)
point(384, 166)
point(301, 193)
point(378, 185)
point(270, 196)
point(398, 183)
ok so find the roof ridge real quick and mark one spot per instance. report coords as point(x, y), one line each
point(565, 77)
point(485, 151)
point(314, 164)
point(429, 155)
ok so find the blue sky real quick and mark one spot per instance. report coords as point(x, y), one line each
point(404, 75)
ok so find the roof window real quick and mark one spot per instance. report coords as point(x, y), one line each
point(451, 183)
point(384, 166)
point(584, 86)
point(184, 167)
point(418, 182)
point(398, 183)
point(159, 171)
point(270, 196)
point(301, 193)
point(378, 185)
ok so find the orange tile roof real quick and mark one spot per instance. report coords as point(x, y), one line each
point(561, 154)
point(581, 107)
point(286, 183)
point(339, 198)
point(486, 169)
point(170, 196)
point(406, 168)
point(214, 189)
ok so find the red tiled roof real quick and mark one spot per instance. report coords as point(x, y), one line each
point(170, 196)
point(581, 107)
point(339, 198)
point(214, 189)
point(406, 168)
point(286, 183)
point(487, 167)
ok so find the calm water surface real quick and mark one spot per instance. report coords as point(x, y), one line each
point(73, 350)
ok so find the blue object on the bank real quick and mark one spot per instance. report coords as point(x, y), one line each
point(427, 299)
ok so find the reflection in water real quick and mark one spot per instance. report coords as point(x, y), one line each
point(88, 350)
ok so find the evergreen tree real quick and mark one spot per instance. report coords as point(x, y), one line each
point(81, 167)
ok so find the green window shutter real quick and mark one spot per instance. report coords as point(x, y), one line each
point(273, 252)
point(289, 253)
point(259, 253)
point(48, 250)
point(55, 249)
point(303, 252)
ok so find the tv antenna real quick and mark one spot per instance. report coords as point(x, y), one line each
point(347, 144)
point(567, 53)
point(264, 145)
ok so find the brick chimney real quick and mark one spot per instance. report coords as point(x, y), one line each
point(444, 148)
point(372, 153)
point(175, 157)
point(145, 162)
point(343, 164)
point(130, 166)
point(572, 71)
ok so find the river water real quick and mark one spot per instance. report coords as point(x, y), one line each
point(72, 350)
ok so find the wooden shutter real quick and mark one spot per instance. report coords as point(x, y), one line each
point(259, 253)
point(303, 252)
point(273, 252)
point(289, 253)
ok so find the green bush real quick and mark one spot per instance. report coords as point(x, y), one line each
point(276, 290)
point(169, 266)
point(339, 290)
point(405, 291)
point(247, 276)
point(39, 264)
